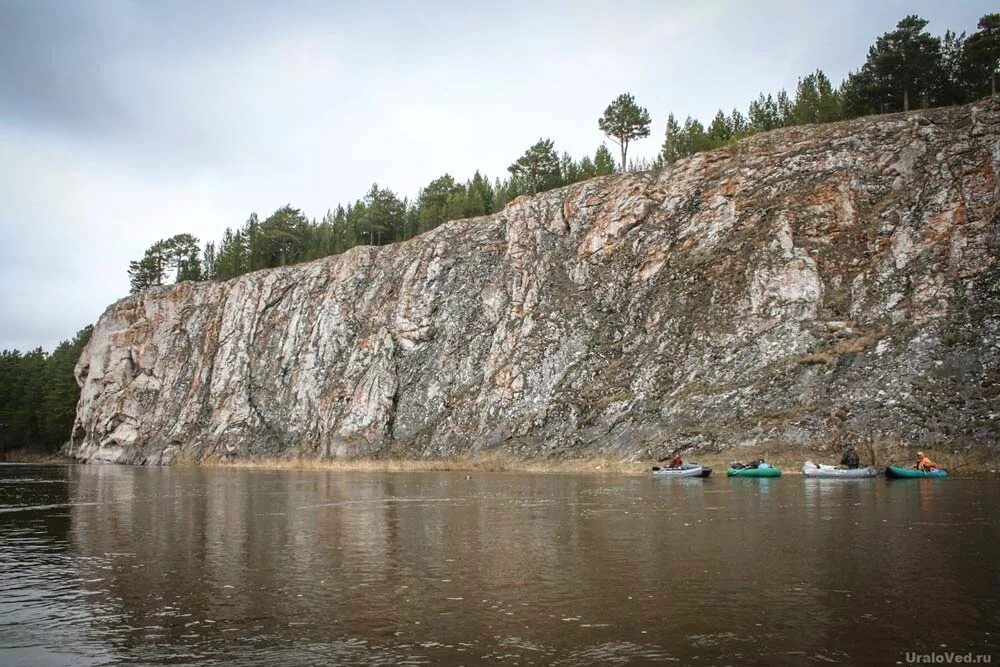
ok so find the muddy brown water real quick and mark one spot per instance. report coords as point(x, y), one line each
point(109, 565)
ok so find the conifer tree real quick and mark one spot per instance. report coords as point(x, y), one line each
point(719, 131)
point(957, 81)
point(61, 392)
point(181, 251)
point(784, 108)
point(984, 48)
point(671, 150)
point(624, 121)
point(815, 100)
point(209, 262)
point(150, 270)
point(694, 138)
point(280, 239)
point(384, 215)
point(738, 124)
point(604, 162)
point(38, 395)
point(432, 201)
point(539, 166)
point(480, 197)
point(906, 59)
point(763, 114)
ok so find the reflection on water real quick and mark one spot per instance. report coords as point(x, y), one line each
point(107, 564)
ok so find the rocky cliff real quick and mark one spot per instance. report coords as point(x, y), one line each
point(803, 286)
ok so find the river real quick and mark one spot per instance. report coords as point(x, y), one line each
point(114, 565)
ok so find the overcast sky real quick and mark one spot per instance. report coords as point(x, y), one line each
point(125, 122)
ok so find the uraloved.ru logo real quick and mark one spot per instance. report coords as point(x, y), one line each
point(947, 658)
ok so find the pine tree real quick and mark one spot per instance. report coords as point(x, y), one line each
point(569, 172)
point(784, 108)
point(149, 271)
point(210, 261)
point(412, 220)
point(956, 83)
point(280, 240)
point(906, 60)
point(815, 100)
point(539, 166)
point(984, 49)
point(763, 114)
point(181, 251)
point(604, 162)
point(384, 215)
point(480, 197)
point(719, 131)
point(671, 150)
point(343, 238)
point(694, 138)
point(738, 124)
point(624, 121)
point(862, 94)
point(38, 395)
point(456, 205)
point(432, 201)
point(61, 392)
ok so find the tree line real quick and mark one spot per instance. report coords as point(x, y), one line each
point(38, 395)
point(906, 67)
point(288, 236)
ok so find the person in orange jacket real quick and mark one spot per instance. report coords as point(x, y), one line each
point(924, 463)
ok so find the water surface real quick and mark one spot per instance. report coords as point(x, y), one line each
point(108, 565)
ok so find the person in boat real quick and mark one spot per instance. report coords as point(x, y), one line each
point(850, 458)
point(761, 463)
point(924, 463)
point(676, 462)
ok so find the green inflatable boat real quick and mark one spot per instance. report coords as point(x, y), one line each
point(753, 472)
point(910, 473)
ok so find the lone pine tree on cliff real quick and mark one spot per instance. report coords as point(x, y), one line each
point(624, 121)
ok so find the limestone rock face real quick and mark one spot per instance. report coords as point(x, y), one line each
point(800, 287)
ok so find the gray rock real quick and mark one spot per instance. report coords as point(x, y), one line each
point(804, 285)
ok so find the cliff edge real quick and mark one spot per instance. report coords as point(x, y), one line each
point(802, 287)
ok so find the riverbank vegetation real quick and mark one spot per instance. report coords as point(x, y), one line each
point(38, 396)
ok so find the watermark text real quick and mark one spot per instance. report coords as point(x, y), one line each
point(947, 658)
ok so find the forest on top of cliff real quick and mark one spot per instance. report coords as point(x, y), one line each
point(905, 68)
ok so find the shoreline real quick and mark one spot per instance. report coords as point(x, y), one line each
point(788, 459)
point(32, 456)
point(590, 466)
